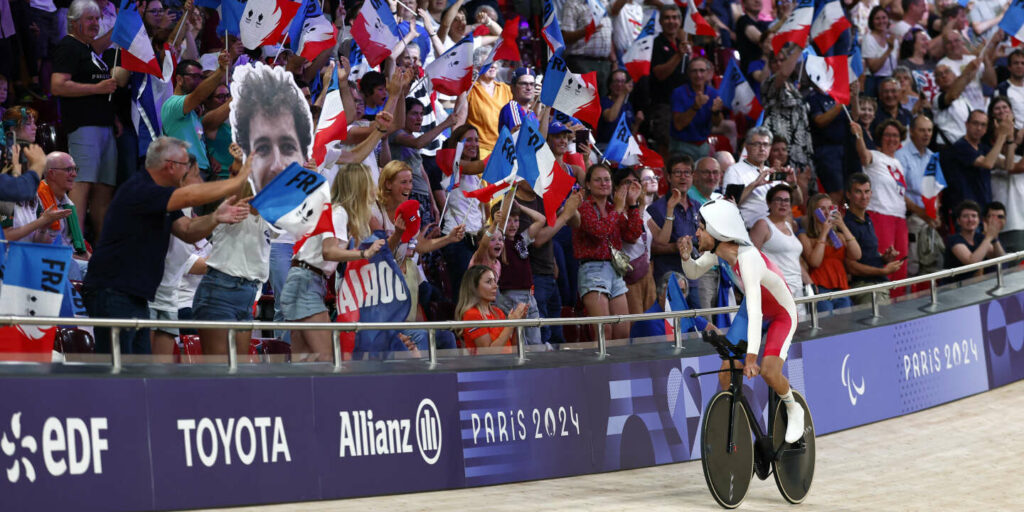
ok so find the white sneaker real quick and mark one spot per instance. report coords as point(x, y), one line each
point(795, 424)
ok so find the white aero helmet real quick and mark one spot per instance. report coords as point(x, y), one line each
point(723, 222)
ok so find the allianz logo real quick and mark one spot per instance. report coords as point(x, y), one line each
point(854, 390)
point(362, 435)
point(249, 440)
point(72, 446)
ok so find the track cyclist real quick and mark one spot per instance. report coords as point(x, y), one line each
point(721, 234)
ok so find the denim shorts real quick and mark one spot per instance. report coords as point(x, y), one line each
point(224, 297)
point(303, 294)
point(159, 314)
point(599, 276)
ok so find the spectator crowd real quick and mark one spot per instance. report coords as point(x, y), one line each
point(146, 176)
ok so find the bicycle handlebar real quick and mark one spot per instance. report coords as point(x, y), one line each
point(725, 349)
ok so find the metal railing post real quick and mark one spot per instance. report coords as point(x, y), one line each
point(336, 349)
point(874, 305)
point(520, 343)
point(432, 347)
point(602, 343)
point(232, 352)
point(115, 350)
point(814, 314)
point(999, 276)
point(935, 292)
point(676, 329)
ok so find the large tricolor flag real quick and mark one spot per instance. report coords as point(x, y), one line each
point(35, 278)
point(538, 167)
point(452, 72)
point(1013, 20)
point(502, 161)
point(637, 58)
point(796, 27)
point(293, 200)
point(695, 24)
point(307, 9)
point(506, 48)
point(332, 126)
point(264, 22)
point(831, 75)
point(574, 94)
point(551, 32)
point(310, 33)
point(597, 12)
point(737, 94)
point(933, 183)
point(829, 23)
point(623, 148)
point(136, 49)
point(372, 290)
point(375, 30)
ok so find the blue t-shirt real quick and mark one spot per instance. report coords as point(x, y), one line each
point(834, 133)
point(512, 115)
point(422, 39)
point(129, 256)
point(699, 129)
point(186, 127)
point(685, 223)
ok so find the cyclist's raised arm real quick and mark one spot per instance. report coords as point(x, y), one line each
point(694, 269)
point(752, 271)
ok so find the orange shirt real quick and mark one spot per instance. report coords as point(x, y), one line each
point(483, 113)
point(469, 336)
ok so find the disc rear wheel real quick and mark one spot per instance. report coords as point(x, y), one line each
point(794, 465)
point(726, 470)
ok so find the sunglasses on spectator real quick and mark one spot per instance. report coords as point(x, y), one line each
point(69, 170)
point(156, 12)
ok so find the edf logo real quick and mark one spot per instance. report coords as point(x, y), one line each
point(70, 446)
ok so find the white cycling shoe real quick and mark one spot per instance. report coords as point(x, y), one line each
point(795, 423)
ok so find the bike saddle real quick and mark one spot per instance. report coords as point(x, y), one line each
point(725, 349)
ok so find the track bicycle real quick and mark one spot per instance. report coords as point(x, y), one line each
point(730, 455)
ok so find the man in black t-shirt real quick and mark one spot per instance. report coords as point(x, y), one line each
point(748, 33)
point(82, 80)
point(669, 57)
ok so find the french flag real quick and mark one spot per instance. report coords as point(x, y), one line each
point(638, 57)
point(448, 159)
point(538, 167)
point(797, 26)
point(831, 75)
point(676, 301)
point(332, 126)
point(318, 34)
point(264, 22)
point(574, 94)
point(933, 183)
point(597, 12)
point(34, 284)
point(506, 48)
point(452, 72)
point(737, 94)
point(695, 24)
point(829, 23)
point(551, 32)
point(486, 194)
point(1013, 21)
point(307, 9)
point(502, 161)
point(293, 200)
point(375, 30)
point(622, 148)
point(229, 11)
point(130, 34)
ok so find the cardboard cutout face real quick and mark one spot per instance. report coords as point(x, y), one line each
point(275, 135)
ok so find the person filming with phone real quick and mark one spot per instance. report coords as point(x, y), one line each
point(751, 177)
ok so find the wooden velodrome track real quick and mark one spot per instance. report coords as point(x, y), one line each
point(963, 455)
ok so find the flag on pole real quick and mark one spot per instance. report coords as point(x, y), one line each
point(372, 290)
point(796, 27)
point(1013, 20)
point(622, 148)
point(637, 58)
point(573, 94)
point(830, 74)
point(597, 13)
point(933, 183)
point(318, 34)
point(307, 9)
point(35, 277)
point(448, 159)
point(263, 22)
point(538, 167)
point(675, 300)
point(332, 126)
point(502, 161)
point(551, 32)
point(136, 49)
point(829, 24)
point(506, 48)
point(452, 72)
point(293, 200)
point(695, 24)
point(375, 30)
point(737, 94)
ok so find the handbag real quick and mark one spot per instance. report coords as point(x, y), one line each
point(640, 266)
point(620, 262)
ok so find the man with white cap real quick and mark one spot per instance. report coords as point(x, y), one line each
point(721, 234)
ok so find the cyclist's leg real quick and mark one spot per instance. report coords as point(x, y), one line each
point(779, 334)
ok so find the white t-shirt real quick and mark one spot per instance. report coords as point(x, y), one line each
point(180, 258)
point(1015, 93)
point(243, 249)
point(784, 251)
point(627, 25)
point(189, 282)
point(312, 251)
point(755, 207)
point(873, 50)
point(952, 121)
point(888, 187)
point(972, 93)
point(462, 209)
point(1009, 190)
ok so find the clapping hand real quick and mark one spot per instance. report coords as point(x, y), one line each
point(685, 246)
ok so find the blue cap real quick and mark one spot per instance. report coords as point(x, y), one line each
point(554, 128)
point(521, 72)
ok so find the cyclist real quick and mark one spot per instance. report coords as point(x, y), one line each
point(721, 234)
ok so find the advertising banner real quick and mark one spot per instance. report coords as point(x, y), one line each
point(386, 434)
point(1002, 322)
point(524, 424)
point(74, 444)
point(218, 442)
